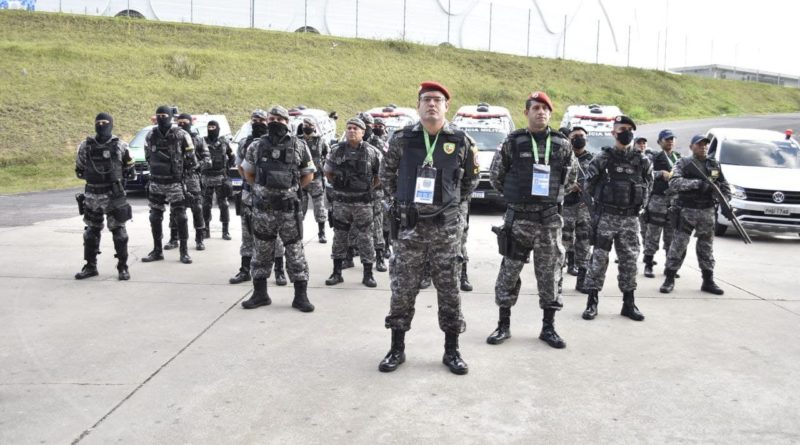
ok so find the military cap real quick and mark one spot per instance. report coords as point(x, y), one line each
point(278, 110)
point(622, 119)
point(258, 114)
point(357, 122)
point(541, 96)
point(430, 85)
point(700, 138)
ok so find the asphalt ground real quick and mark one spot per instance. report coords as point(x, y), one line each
point(170, 357)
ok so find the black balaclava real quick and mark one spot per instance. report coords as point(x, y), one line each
point(578, 142)
point(164, 123)
point(625, 137)
point(379, 131)
point(186, 127)
point(213, 134)
point(103, 131)
point(259, 129)
point(277, 130)
point(308, 130)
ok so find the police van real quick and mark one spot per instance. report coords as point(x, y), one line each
point(597, 119)
point(394, 117)
point(488, 125)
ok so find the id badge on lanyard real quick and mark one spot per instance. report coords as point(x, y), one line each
point(426, 184)
point(540, 185)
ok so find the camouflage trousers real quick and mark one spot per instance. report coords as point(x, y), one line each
point(215, 185)
point(433, 250)
point(158, 195)
point(194, 199)
point(246, 248)
point(577, 233)
point(315, 192)
point(623, 233)
point(269, 225)
point(377, 223)
point(355, 218)
point(701, 222)
point(657, 222)
point(544, 238)
point(97, 205)
point(464, 209)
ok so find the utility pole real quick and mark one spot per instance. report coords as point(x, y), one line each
point(528, 48)
point(629, 46)
point(404, 20)
point(597, 49)
point(252, 14)
point(491, 6)
point(658, 49)
point(564, 45)
point(448, 21)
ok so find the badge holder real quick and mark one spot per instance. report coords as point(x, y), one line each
point(426, 183)
point(540, 185)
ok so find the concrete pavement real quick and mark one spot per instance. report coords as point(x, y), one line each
point(170, 357)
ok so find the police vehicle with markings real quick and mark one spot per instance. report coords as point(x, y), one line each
point(394, 117)
point(488, 125)
point(593, 118)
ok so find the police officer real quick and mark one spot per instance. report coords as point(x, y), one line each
point(618, 178)
point(191, 180)
point(103, 161)
point(277, 166)
point(695, 213)
point(319, 149)
point(352, 169)
point(640, 144)
point(379, 129)
point(427, 168)
point(531, 170)
point(169, 152)
point(215, 178)
point(660, 199)
point(577, 231)
point(378, 195)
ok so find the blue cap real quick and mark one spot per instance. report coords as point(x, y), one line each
point(700, 138)
point(665, 134)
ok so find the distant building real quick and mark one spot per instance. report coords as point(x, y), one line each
point(736, 73)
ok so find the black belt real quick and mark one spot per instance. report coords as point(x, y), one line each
point(534, 216)
point(620, 211)
point(159, 180)
point(277, 203)
point(97, 189)
point(695, 204)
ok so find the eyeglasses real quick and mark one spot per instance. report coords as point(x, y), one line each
point(435, 99)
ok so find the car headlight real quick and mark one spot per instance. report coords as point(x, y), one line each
point(738, 192)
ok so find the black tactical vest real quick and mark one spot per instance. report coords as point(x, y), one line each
point(695, 198)
point(623, 185)
point(519, 178)
point(104, 165)
point(166, 157)
point(275, 165)
point(217, 151)
point(352, 169)
point(448, 166)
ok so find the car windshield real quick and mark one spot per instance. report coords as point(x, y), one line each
point(487, 140)
point(773, 154)
point(595, 142)
point(138, 140)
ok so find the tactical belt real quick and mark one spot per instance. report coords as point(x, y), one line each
point(534, 216)
point(349, 199)
point(620, 211)
point(696, 204)
point(164, 180)
point(97, 189)
point(277, 203)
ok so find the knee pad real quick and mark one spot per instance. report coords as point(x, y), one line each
point(156, 216)
point(180, 216)
point(120, 235)
point(91, 235)
point(94, 216)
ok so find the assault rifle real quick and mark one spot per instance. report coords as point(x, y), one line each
point(724, 205)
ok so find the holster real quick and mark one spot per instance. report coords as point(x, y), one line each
point(81, 198)
point(503, 239)
point(227, 188)
point(298, 218)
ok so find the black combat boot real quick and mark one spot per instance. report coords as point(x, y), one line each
point(560, 283)
point(387, 241)
point(709, 285)
point(280, 275)
point(466, 286)
point(397, 354)
point(321, 233)
point(503, 331)
point(121, 249)
point(669, 282)
point(368, 280)
point(629, 309)
point(91, 243)
point(184, 250)
point(648, 266)
point(452, 357)
point(198, 239)
point(172, 243)
point(380, 264)
point(572, 269)
point(207, 230)
point(260, 296)
point(591, 305)
point(348, 261)
point(300, 301)
point(156, 254)
point(581, 280)
point(244, 272)
point(426, 279)
point(336, 276)
point(549, 334)
point(226, 235)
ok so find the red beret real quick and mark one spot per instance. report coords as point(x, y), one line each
point(541, 96)
point(430, 85)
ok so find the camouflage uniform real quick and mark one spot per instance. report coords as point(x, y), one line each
point(377, 198)
point(194, 190)
point(319, 149)
point(577, 231)
point(216, 181)
point(433, 240)
point(103, 166)
point(658, 206)
point(276, 210)
point(534, 224)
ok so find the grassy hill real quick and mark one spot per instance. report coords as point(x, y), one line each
point(59, 71)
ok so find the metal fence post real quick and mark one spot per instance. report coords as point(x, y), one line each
point(356, 18)
point(597, 49)
point(629, 46)
point(528, 48)
point(564, 45)
point(448, 21)
point(491, 6)
point(404, 19)
point(252, 14)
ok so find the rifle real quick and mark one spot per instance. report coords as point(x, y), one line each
point(724, 205)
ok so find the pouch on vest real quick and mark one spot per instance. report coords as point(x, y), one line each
point(426, 184)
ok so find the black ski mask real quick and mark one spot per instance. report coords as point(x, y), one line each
point(277, 130)
point(308, 130)
point(379, 131)
point(213, 134)
point(164, 123)
point(187, 127)
point(578, 142)
point(103, 132)
point(259, 129)
point(625, 137)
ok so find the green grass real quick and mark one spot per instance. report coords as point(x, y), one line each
point(59, 71)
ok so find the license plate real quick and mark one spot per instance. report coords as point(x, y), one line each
point(780, 211)
point(479, 195)
point(236, 181)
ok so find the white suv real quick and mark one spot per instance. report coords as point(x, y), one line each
point(394, 117)
point(763, 170)
point(593, 118)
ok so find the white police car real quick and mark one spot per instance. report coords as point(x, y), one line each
point(394, 117)
point(593, 118)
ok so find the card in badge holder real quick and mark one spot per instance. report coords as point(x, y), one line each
point(426, 183)
point(540, 185)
